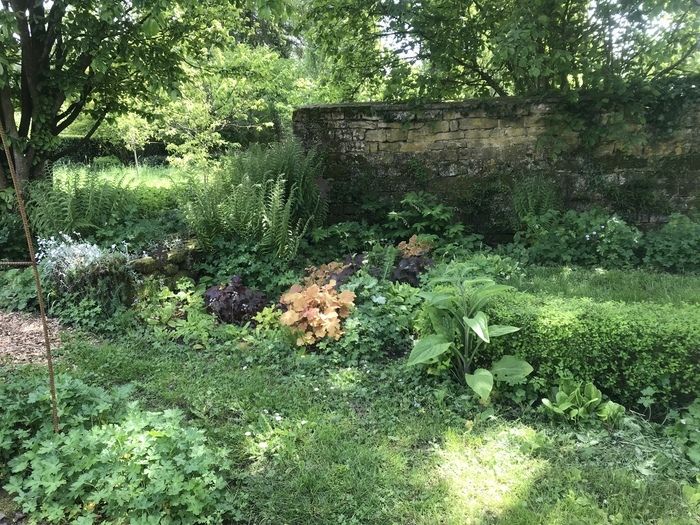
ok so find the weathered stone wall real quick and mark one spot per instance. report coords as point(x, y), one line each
point(472, 151)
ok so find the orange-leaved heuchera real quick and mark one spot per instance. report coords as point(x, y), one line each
point(415, 247)
point(314, 312)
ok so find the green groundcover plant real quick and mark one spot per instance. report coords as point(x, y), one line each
point(111, 460)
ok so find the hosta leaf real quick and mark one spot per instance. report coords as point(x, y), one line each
point(428, 348)
point(481, 382)
point(511, 369)
point(498, 330)
point(480, 325)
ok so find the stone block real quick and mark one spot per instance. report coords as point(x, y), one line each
point(478, 123)
point(396, 135)
point(438, 126)
point(414, 147)
point(449, 135)
point(454, 125)
point(363, 124)
point(375, 135)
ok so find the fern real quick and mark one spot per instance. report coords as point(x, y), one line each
point(81, 203)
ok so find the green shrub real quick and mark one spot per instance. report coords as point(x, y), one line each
point(260, 213)
point(588, 238)
point(257, 269)
point(622, 348)
point(501, 268)
point(176, 315)
point(103, 207)
point(676, 246)
point(684, 427)
point(422, 213)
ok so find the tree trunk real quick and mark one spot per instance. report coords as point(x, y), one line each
point(4, 183)
point(136, 159)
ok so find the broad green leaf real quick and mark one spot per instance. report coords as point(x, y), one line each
point(498, 330)
point(437, 299)
point(427, 349)
point(480, 325)
point(511, 369)
point(481, 382)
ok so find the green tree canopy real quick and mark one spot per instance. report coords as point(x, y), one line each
point(62, 58)
point(457, 48)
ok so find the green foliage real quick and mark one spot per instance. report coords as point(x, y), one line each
point(272, 205)
point(93, 75)
point(80, 203)
point(249, 212)
point(624, 348)
point(26, 410)
point(535, 195)
point(456, 324)
point(578, 401)
point(258, 269)
point(501, 268)
point(108, 462)
point(508, 369)
point(583, 238)
point(300, 169)
point(675, 247)
point(422, 213)
point(381, 322)
point(455, 49)
point(80, 273)
point(177, 315)
point(18, 290)
point(684, 427)
point(106, 207)
point(335, 241)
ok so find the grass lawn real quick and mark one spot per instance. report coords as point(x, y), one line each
point(147, 176)
point(316, 441)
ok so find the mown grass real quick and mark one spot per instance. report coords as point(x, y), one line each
point(147, 176)
point(613, 285)
point(317, 441)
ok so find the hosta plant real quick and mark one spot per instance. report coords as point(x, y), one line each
point(577, 401)
point(315, 312)
point(458, 328)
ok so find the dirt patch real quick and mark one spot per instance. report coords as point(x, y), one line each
point(22, 338)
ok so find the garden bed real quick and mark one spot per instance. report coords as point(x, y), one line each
point(22, 338)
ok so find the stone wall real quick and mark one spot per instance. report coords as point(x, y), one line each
point(475, 151)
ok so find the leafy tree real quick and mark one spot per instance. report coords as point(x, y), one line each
point(62, 58)
point(456, 48)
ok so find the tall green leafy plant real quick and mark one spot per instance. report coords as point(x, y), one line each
point(259, 213)
point(79, 202)
point(459, 328)
point(301, 171)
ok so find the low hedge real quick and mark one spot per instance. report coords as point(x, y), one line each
point(621, 347)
